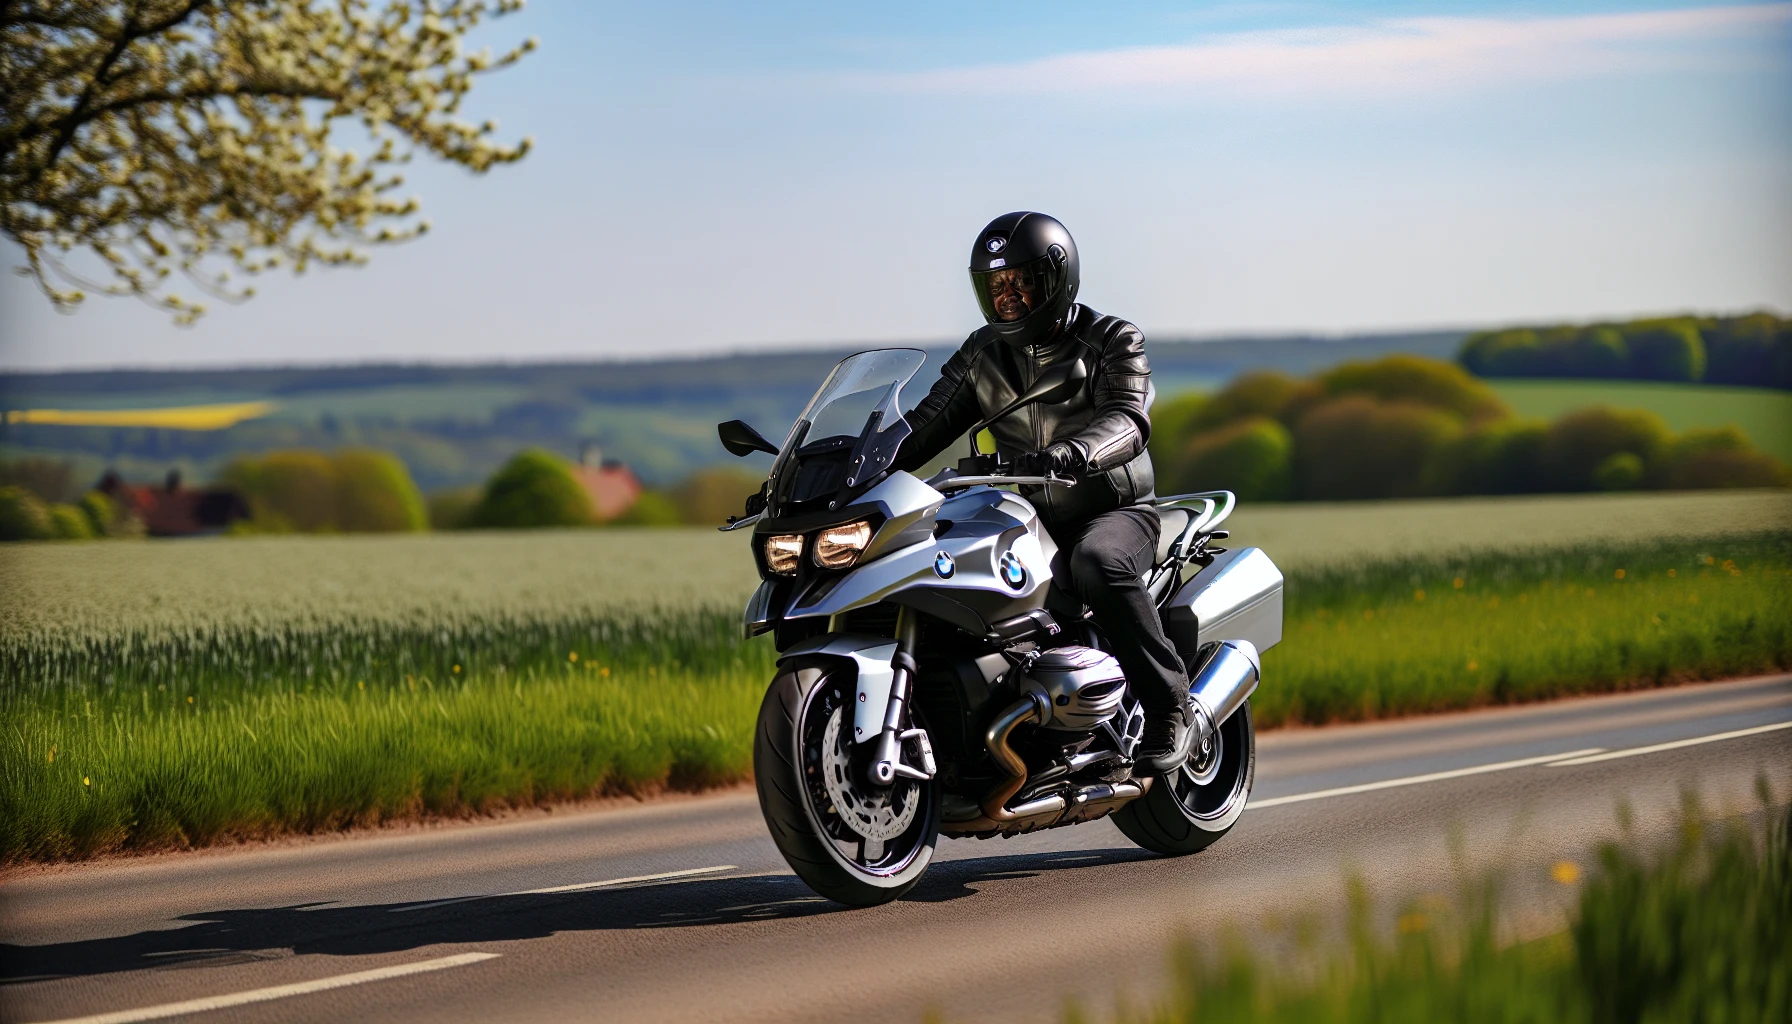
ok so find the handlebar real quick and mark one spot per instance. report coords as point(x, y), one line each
point(956, 483)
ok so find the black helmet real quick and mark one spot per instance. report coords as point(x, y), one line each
point(1024, 270)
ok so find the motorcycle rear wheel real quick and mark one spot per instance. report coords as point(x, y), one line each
point(800, 768)
point(1191, 808)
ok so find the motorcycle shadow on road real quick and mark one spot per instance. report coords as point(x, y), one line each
point(225, 937)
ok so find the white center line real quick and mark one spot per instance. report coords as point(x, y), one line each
point(1675, 745)
point(577, 886)
point(1413, 780)
point(260, 995)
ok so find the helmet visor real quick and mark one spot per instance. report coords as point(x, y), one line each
point(1008, 294)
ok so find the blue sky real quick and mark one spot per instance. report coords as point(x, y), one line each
point(712, 177)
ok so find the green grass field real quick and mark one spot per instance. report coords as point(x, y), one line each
point(1765, 415)
point(1696, 931)
point(170, 694)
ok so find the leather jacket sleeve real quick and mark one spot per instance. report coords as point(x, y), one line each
point(949, 410)
point(1121, 390)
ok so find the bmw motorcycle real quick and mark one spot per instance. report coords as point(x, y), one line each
point(930, 680)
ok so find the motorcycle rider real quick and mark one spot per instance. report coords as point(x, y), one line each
point(1025, 272)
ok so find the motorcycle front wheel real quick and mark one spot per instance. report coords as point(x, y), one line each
point(852, 842)
point(1190, 809)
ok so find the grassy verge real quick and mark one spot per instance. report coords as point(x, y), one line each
point(182, 727)
point(1433, 634)
point(1698, 932)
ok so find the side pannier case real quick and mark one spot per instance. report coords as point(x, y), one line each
point(1238, 597)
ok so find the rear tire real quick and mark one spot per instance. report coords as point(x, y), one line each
point(816, 839)
point(1190, 809)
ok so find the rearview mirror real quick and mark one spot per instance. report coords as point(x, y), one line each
point(1056, 384)
point(743, 440)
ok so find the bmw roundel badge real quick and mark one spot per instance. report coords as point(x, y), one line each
point(996, 244)
point(943, 566)
point(1014, 571)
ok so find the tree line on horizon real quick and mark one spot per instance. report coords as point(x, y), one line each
point(1408, 427)
point(1753, 350)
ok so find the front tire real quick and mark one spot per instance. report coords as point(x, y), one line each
point(1190, 809)
point(804, 772)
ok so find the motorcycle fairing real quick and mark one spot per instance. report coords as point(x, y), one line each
point(871, 657)
point(989, 528)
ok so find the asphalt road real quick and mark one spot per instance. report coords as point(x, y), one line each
point(555, 918)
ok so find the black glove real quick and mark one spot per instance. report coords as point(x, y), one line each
point(1062, 459)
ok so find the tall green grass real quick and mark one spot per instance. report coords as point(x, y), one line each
point(1438, 633)
point(172, 726)
point(1700, 931)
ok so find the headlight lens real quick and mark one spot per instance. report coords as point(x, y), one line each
point(838, 546)
point(782, 553)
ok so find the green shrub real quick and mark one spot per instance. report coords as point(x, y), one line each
point(287, 490)
point(452, 509)
point(1666, 350)
point(535, 488)
point(69, 523)
point(1579, 442)
point(102, 513)
point(710, 496)
point(1706, 458)
point(653, 508)
point(1497, 457)
point(1620, 471)
point(1262, 393)
point(1428, 382)
point(23, 515)
point(356, 490)
point(1170, 425)
point(1357, 447)
point(1252, 457)
point(375, 494)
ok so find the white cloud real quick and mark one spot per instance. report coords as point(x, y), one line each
point(1400, 55)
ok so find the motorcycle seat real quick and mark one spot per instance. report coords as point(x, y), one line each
point(1174, 520)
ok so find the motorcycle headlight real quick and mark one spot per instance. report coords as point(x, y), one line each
point(837, 547)
point(783, 552)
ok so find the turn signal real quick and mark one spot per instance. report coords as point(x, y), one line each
point(838, 547)
point(782, 553)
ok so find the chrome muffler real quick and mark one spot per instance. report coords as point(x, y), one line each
point(1223, 680)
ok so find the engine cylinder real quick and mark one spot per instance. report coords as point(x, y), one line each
point(1084, 686)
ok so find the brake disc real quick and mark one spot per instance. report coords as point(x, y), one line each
point(875, 814)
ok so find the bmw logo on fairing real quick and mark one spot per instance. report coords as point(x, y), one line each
point(943, 566)
point(996, 244)
point(1014, 571)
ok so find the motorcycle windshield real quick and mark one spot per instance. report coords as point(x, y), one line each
point(848, 434)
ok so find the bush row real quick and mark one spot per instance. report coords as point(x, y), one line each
point(1753, 350)
point(25, 516)
point(1405, 426)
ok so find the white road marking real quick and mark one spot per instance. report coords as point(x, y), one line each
point(1675, 745)
point(1413, 780)
point(261, 995)
point(575, 887)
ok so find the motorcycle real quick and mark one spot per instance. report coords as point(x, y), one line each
point(932, 682)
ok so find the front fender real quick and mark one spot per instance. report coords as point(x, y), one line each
point(870, 657)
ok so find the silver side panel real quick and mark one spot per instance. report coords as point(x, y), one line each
point(988, 526)
point(870, 656)
point(757, 618)
point(1238, 597)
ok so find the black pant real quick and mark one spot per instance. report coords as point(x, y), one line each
point(1101, 562)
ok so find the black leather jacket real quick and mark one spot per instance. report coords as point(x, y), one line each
point(1107, 422)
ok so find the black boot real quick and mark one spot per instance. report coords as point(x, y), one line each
point(1169, 739)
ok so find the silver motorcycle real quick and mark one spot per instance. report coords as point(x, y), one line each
point(930, 680)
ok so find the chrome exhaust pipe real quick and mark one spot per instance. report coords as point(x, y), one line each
point(1226, 678)
point(1033, 707)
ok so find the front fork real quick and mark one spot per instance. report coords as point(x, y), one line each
point(886, 758)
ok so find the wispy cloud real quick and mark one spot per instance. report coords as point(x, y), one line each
point(1402, 55)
